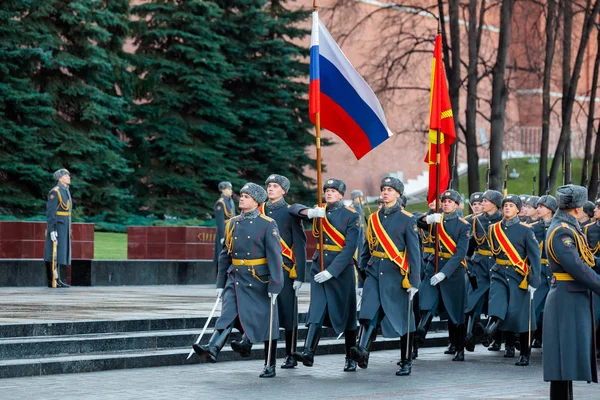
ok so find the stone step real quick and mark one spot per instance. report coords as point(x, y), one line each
point(165, 357)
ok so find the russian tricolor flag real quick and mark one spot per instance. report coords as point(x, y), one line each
point(346, 103)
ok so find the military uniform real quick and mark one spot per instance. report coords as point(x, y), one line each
point(509, 295)
point(592, 233)
point(568, 340)
point(333, 302)
point(449, 295)
point(58, 216)
point(250, 270)
point(224, 209)
point(383, 300)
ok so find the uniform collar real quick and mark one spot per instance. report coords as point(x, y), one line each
point(225, 197)
point(511, 222)
point(335, 206)
point(497, 216)
point(450, 216)
point(63, 186)
point(392, 209)
point(250, 214)
point(274, 206)
point(562, 216)
point(547, 223)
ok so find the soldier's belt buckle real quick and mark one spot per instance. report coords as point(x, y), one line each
point(242, 261)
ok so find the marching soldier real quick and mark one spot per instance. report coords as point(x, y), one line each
point(515, 275)
point(391, 260)
point(588, 214)
point(568, 353)
point(58, 217)
point(592, 232)
point(293, 246)
point(450, 295)
point(333, 290)
point(475, 201)
point(522, 211)
point(546, 208)
point(480, 263)
point(530, 209)
point(250, 278)
point(224, 209)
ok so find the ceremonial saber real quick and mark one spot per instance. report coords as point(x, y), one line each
point(205, 326)
point(357, 309)
point(54, 262)
point(295, 322)
point(270, 334)
point(530, 301)
point(410, 300)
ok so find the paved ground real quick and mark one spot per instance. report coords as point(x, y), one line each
point(39, 304)
point(484, 375)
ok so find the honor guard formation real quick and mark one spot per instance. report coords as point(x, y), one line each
point(519, 270)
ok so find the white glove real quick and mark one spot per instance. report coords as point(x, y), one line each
point(531, 291)
point(53, 236)
point(359, 291)
point(437, 278)
point(431, 218)
point(273, 297)
point(222, 240)
point(317, 212)
point(411, 292)
point(296, 286)
point(219, 293)
point(323, 276)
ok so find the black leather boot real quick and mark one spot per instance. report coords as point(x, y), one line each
point(59, 283)
point(289, 361)
point(242, 347)
point(269, 371)
point(360, 353)
point(405, 356)
point(560, 390)
point(415, 351)
point(509, 346)
point(209, 352)
point(525, 351)
point(307, 357)
point(350, 342)
point(497, 343)
point(470, 339)
point(491, 328)
point(423, 327)
point(459, 338)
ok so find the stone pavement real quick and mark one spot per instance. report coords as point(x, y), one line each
point(484, 375)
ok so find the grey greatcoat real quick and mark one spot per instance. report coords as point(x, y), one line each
point(333, 302)
point(481, 261)
point(224, 209)
point(508, 301)
point(250, 236)
point(383, 285)
point(592, 232)
point(292, 233)
point(452, 289)
point(58, 216)
point(568, 336)
point(539, 297)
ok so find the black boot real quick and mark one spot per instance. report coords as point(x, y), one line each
point(491, 328)
point(537, 336)
point(360, 353)
point(451, 338)
point(269, 370)
point(459, 338)
point(470, 337)
point(59, 283)
point(210, 351)
point(509, 346)
point(350, 342)
point(405, 356)
point(497, 343)
point(415, 352)
point(525, 351)
point(423, 327)
point(49, 274)
point(561, 390)
point(289, 361)
point(242, 347)
point(307, 357)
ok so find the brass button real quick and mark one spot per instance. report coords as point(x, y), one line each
point(248, 253)
point(250, 285)
point(235, 237)
point(250, 221)
point(236, 254)
point(381, 273)
point(325, 254)
point(237, 269)
point(237, 283)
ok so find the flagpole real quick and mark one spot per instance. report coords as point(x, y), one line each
point(319, 176)
point(437, 172)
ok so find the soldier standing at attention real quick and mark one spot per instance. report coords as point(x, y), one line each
point(333, 290)
point(250, 278)
point(480, 263)
point(515, 275)
point(445, 290)
point(58, 217)
point(546, 208)
point(568, 353)
point(224, 210)
point(391, 260)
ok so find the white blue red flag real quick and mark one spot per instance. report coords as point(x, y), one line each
point(346, 103)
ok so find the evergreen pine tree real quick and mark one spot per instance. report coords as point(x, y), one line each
point(184, 131)
point(269, 90)
point(24, 113)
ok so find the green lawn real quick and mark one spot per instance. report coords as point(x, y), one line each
point(523, 184)
point(110, 246)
